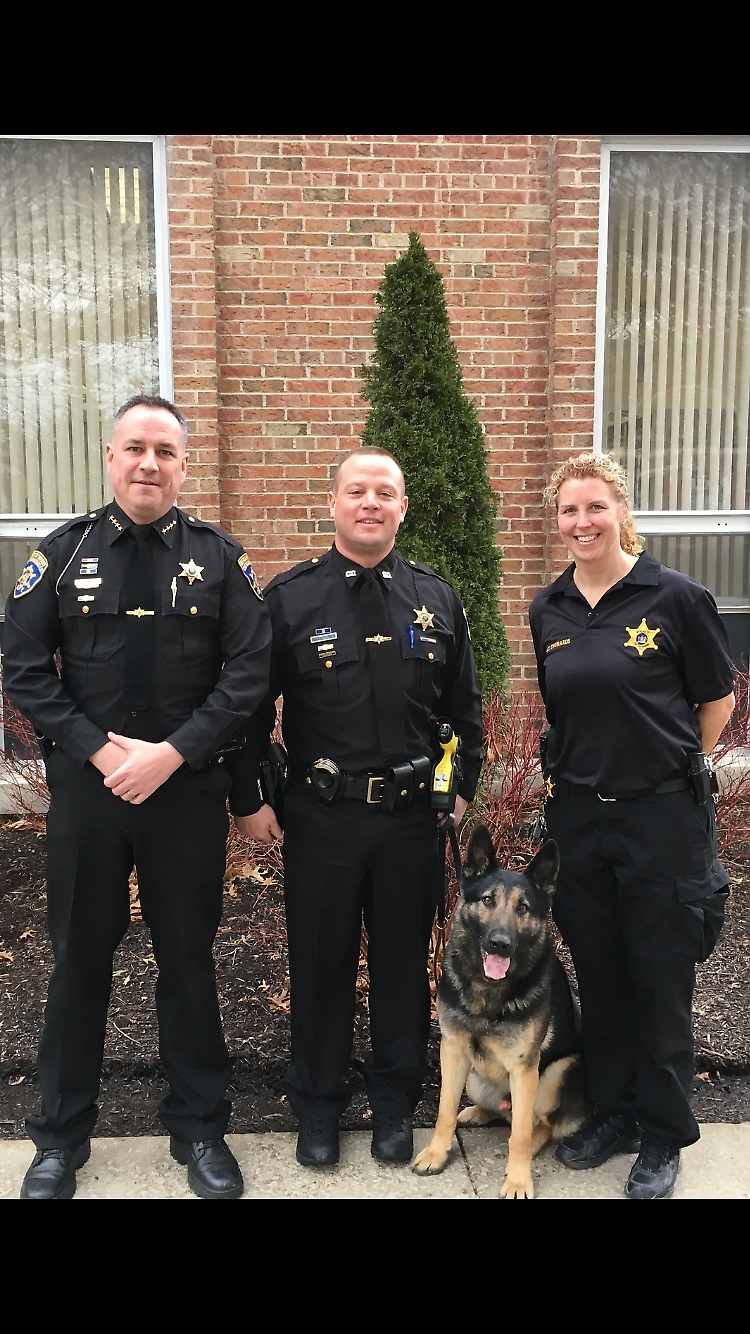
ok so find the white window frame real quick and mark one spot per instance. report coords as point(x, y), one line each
point(663, 522)
point(20, 526)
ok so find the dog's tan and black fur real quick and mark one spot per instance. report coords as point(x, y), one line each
point(508, 1018)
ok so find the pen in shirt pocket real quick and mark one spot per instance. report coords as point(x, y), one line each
point(411, 636)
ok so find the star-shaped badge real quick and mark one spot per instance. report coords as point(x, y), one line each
point(424, 618)
point(641, 638)
point(191, 571)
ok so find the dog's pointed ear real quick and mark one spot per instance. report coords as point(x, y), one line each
point(480, 854)
point(543, 869)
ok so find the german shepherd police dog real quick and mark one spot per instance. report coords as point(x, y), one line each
point(509, 1023)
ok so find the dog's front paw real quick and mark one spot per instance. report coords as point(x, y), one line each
point(430, 1160)
point(517, 1188)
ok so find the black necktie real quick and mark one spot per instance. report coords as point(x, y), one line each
point(385, 659)
point(138, 602)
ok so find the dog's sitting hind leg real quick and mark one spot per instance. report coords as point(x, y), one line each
point(491, 1102)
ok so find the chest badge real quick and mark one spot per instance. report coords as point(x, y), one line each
point(424, 618)
point(641, 638)
point(31, 574)
point(191, 571)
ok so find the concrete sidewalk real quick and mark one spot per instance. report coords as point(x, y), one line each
point(717, 1168)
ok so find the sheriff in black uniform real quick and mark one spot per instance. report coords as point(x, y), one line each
point(164, 647)
point(636, 675)
point(362, 694)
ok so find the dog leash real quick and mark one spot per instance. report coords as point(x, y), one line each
point(446, 833)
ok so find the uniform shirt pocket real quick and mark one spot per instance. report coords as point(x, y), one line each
point(313, 662)
point(423, 658)
point(91, 630)
point(326, 658)
point(190, 627)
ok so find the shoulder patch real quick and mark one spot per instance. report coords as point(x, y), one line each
point(32, 574)
point(250, 575)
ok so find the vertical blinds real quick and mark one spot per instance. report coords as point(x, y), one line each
point(677, 358)
point(78, 330)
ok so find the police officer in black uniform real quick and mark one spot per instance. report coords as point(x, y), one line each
point(370, 651)
point(635, 671)
point(164, 651)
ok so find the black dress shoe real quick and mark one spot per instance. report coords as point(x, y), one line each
point(213, 1170)
point(52, 1175)
point(601, 1137)
point(392, 1139)
point(318, 1141)
point(654, 1171)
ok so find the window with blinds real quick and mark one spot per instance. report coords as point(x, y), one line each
point(78, 321)
point(676, 354)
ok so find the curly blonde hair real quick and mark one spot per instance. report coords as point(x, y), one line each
point(608, 469)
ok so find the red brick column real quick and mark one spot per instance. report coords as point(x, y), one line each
point(190, 187)
point(575, 241)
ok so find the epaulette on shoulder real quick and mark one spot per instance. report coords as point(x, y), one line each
point(79, 521)
point(304, 567)
point(192, 521)
point(426, 569)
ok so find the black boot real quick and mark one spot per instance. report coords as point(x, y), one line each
point(52, 1175)
point(654, 1172)
point(318, 1141)
point(213, 1170)
point(602, 1136)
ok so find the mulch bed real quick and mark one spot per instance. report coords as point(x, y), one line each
point(254, 992)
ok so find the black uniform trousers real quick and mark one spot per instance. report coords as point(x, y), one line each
point(177, 841)
point(638, 894)
point(344, 864)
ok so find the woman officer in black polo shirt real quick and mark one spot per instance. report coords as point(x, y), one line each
point(636, 675)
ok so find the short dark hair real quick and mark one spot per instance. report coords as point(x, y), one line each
point(362, 449)
point(153, 401)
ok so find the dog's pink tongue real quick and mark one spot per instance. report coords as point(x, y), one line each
point(495, 966)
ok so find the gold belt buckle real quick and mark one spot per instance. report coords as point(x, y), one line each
point(371, 800)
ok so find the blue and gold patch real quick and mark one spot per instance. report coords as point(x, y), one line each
point(249, 573)
point(32, 573)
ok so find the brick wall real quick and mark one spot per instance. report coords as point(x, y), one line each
point(278, 245)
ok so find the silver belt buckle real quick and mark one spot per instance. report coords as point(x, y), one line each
point(372, 800)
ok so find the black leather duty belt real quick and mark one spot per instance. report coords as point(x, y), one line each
point(582, 789)
point(397, 787)
point(364, 787)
